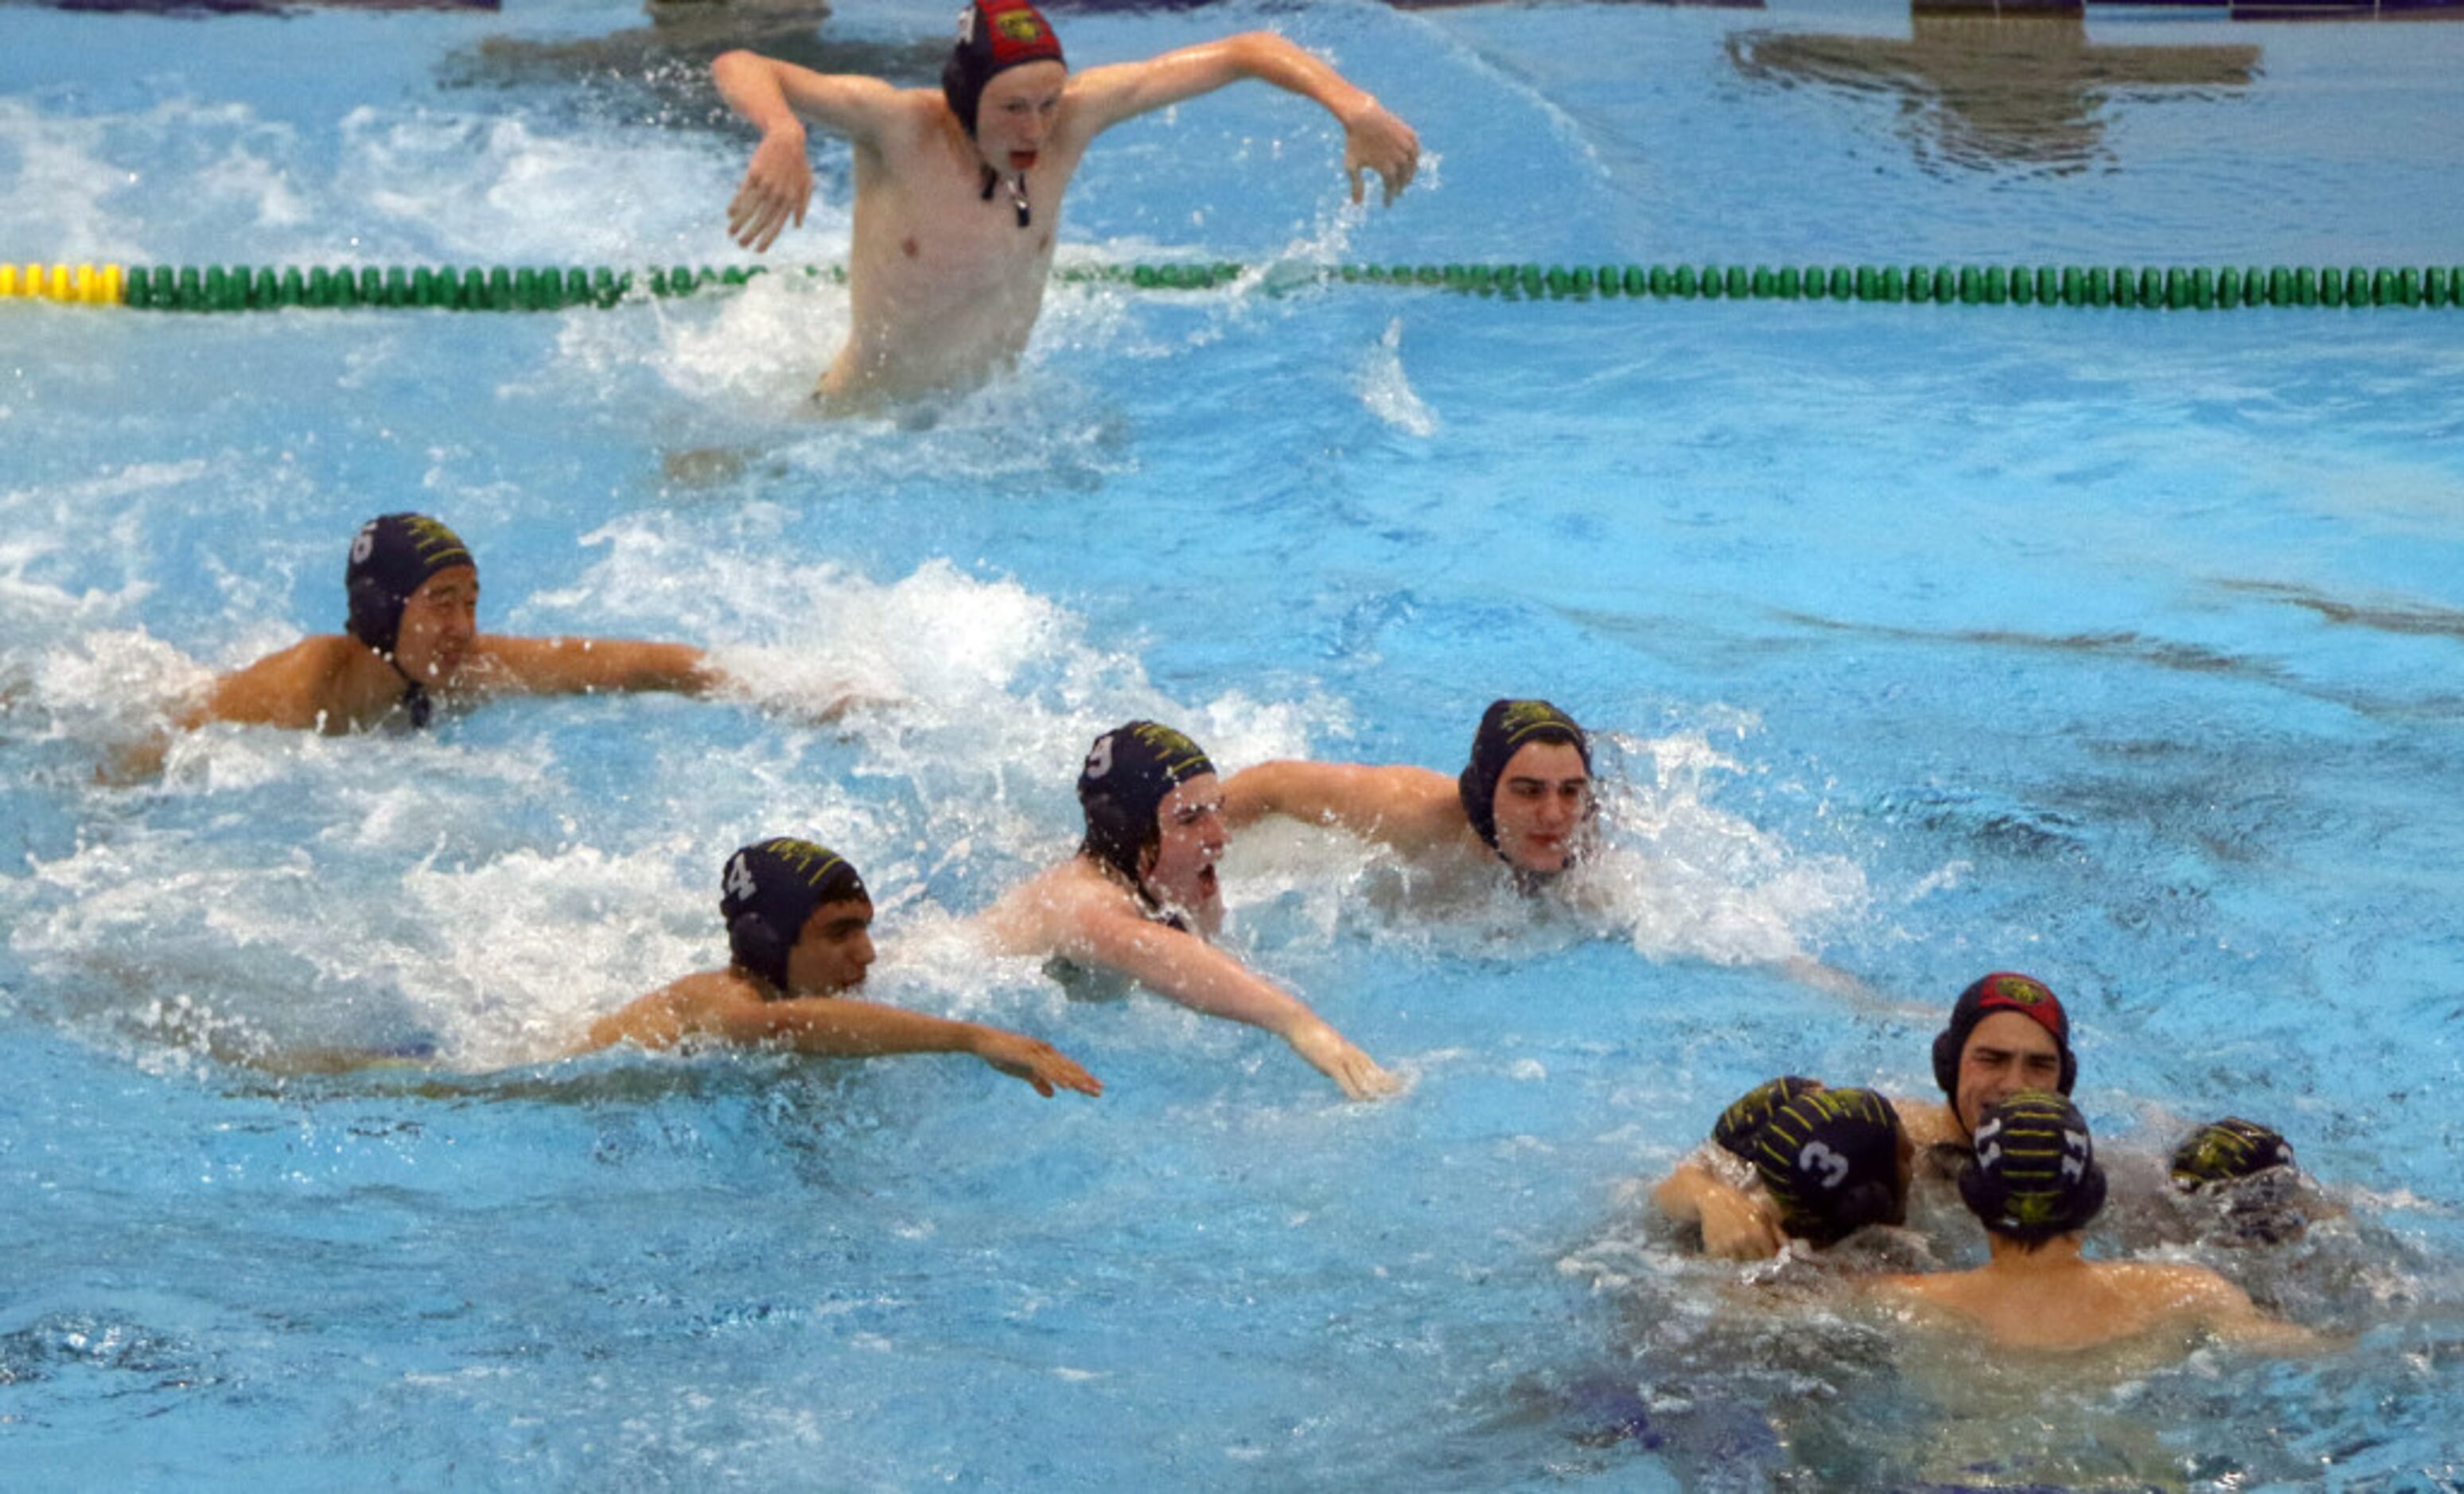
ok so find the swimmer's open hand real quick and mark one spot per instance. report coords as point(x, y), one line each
point(1038, 1063)
point(1333, 1055)
point(778, 188)
point(1376, 141)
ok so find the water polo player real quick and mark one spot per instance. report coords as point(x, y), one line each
point(1141, 899)
point(799, 938)
point(1523, 798)
point(2005, 1033)
point(411, 642)
point(2239, 1181)
point(1823, 1163)
point(958, 190)
point(2032, 1181)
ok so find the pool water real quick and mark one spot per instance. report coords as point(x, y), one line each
point(2117, 646)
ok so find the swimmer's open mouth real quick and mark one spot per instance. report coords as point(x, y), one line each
point(1206, 879)
point(1022, 160)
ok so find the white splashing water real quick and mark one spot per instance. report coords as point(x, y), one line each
point(1386, 389)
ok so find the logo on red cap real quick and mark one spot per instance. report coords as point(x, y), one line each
point(2022, 993)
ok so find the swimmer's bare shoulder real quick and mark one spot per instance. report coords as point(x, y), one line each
point(697, 1003)
point(2195, 1296)
point(1050, 913)
point(301, 687)
point(1928, 1123)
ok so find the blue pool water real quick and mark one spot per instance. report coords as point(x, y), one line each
point(2122, 649)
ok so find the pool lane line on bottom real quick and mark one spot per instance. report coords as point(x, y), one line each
point(219, 288)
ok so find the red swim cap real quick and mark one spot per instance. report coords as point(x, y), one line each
point(994, 36)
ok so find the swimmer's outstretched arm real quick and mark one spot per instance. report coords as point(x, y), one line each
point(1401, 806)
point(770, 96)
point(578, 665)
point(1373, 139)
point(835, 1027)
point(1188, 969)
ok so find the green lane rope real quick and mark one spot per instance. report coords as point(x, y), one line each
point(501, 288)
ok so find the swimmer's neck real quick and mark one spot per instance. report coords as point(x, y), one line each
point(373, 685)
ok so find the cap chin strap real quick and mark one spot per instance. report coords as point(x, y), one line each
point(1017, 186)
point(415, 695)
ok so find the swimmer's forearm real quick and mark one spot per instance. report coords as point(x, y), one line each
point(840, 1027)
point(1250, 1000)
point(574, 665)
point(751, 85)
point(1275, 60)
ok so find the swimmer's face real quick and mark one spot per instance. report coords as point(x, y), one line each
point(1015, 115)
point(834, 950)
point(2006, 1053)
point(1179, 871)
point(1542, 798)
point(438, 624)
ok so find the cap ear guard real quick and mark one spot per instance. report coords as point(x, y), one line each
point(1985, 1193)
point(1114, 837)
point(375, 615)
point(754, 945)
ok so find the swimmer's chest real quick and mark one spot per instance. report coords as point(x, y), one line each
point(943, 232)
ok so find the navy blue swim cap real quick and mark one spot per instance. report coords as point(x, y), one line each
point(1740, 1127)
point(2246, 1172)
point(1505, 727)
point(767, 894)
point(2002, 991)
point(1830, 1158)
point(2033, 1174)
point(1126, 774)
point(390, 557)
point(994, 36)
point(2221, 1152)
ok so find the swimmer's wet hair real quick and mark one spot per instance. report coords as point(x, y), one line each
point(1122, 785)
point(994, 36)
point(767, 894)
point(2032, 1173)
point(1830, 1158)
point(391, 556)
point(1504, 729)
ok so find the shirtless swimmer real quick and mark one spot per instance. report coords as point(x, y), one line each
point(1523, 798)
point(958, 190)
point(799, 940)
point(412, 641)
point(1140, 898)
